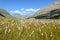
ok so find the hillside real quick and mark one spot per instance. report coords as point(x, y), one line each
point(46, 12)
point(4, 13)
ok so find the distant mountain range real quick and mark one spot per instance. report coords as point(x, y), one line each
point(49, 12)
point(4, 13)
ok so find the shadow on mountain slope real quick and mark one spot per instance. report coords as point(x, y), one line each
point(53, 14)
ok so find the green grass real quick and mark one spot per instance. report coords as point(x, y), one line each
point(28, 29)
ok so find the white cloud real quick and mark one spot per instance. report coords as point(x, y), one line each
point(16, 11)
point(32, 10)
point(23, 11)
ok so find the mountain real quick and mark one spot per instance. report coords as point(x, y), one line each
point(50, 11)
point(53, 14)
point(4, 13)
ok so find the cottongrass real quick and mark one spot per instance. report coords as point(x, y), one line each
point(32, 33)
point(29, 29)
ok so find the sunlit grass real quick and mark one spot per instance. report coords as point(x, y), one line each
point(29, 29)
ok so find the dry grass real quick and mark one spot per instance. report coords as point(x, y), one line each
point(30, 29)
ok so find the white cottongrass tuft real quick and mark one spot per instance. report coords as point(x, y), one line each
point(6, 30)
point(19, 28)
point(42, 26)
point(59, 27)
point(32, 32)
point(51, 34)
point(9, 30)
point(42, 34)
point(40, 30)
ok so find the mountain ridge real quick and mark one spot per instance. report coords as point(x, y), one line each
point(4, 13)
point(47, 10)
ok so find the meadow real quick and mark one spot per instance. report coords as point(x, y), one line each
point(29, 29)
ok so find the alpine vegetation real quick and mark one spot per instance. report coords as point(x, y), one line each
point(30, 29)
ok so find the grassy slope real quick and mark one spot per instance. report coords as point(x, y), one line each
point(5, 13)
point(30, 29)
point(47, 9)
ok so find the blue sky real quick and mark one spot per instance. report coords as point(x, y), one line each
point(16, 5)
